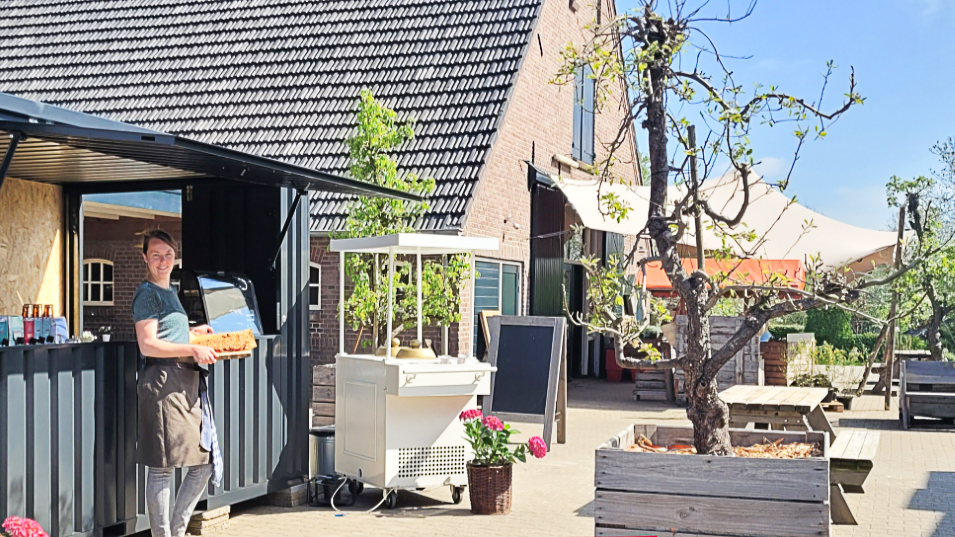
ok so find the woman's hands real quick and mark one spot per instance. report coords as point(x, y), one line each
point(204, 355)
point(201, 330)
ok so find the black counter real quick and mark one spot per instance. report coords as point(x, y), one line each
point(68, 433)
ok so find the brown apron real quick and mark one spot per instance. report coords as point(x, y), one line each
point(170, 415)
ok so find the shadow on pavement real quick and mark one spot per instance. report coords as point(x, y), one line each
point(586, 510)
point(938, 495)
point(869, 423)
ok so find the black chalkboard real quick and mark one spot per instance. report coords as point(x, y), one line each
point(527, 354)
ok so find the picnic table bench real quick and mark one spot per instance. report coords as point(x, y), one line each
point(851, 453)
point(781, 407)
point(850, 462)
point(927, 389)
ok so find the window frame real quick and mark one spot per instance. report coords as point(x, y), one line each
point(500, 291)
point(314, 307)
point(584, 85)
point(88, 282)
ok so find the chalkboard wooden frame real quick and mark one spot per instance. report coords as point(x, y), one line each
point(554, 377)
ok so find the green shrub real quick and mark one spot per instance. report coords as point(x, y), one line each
point(911, 343)
point(815, 381)
point(832, 326)
point(780, 331)
point(826, 354)
point(865, 342)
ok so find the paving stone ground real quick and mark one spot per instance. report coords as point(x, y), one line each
point(911, 491)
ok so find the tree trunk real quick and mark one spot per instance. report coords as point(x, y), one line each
point(709, 414)
point(934, 334)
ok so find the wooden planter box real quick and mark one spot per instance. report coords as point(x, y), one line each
point(695, 496)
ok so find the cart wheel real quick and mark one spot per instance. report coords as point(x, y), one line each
point(457, 494)
point(355, 488)
point(391, 501)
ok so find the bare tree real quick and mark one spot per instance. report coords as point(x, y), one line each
point(662, 68)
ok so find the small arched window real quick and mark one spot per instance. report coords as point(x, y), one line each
point(97, 282)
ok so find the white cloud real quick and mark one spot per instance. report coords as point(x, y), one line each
point(772, 169)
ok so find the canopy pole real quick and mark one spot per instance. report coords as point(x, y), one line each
point(391, 297)
point(8, 158)
point(471, 351)
point(418, 259)
point(341, 303)
point(444, 325)
point(288, 221)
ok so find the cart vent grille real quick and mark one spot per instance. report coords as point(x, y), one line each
point(438, 460)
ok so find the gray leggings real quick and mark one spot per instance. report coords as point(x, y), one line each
point(159, 491)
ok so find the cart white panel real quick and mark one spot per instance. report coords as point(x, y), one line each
point(397, 420)
point(362, 438)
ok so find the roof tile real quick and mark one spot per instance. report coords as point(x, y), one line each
point(280, 78)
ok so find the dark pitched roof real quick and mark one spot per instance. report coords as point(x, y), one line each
point(280, 78)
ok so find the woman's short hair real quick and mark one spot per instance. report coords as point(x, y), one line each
point(160, 235)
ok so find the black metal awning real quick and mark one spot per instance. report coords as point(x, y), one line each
point(49, 144)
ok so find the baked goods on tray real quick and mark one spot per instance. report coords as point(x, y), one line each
point(227, 342)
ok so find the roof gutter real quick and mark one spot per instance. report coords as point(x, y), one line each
point(8, 157)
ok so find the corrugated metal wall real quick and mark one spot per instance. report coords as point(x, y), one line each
point(58, 463)
point(547, 255)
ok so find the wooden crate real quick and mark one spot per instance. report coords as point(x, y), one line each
point(774, 362)
point(653, 385)
point(745, 367)
point(323, 395)
point(655, 493)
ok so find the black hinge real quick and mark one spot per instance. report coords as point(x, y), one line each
point(288, 221)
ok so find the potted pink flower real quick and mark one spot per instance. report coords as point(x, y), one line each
point(489, 473)
point(15, 526)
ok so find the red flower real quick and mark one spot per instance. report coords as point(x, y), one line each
point(470, 414)
point(23, 527)
point(493, 423)
point(537, 446)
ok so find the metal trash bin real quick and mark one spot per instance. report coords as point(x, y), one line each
point(321, 460)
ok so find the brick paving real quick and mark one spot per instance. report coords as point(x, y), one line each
point(911, 491)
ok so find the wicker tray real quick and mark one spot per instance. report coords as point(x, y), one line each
point(233, 355)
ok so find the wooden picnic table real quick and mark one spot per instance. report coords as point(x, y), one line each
point(850, 462)
point(850, 455)
point(781, 407)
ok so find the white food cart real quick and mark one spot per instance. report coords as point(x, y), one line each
point(396, 419)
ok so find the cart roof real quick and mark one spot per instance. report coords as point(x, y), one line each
point(62, 146)
point(415, 243)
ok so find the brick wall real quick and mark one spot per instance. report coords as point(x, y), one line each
point(538, 124)
point(118, 241)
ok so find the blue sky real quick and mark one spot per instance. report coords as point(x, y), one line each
point(903, 52)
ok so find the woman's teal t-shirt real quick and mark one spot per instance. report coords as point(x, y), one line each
point(153, 302)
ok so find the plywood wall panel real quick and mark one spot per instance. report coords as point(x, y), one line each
point(31, 245)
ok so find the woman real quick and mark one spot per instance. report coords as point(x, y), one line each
point(170, 405)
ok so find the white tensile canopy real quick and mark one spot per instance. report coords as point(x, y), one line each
point(784, 229)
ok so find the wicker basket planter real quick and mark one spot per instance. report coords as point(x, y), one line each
point(490, 489)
